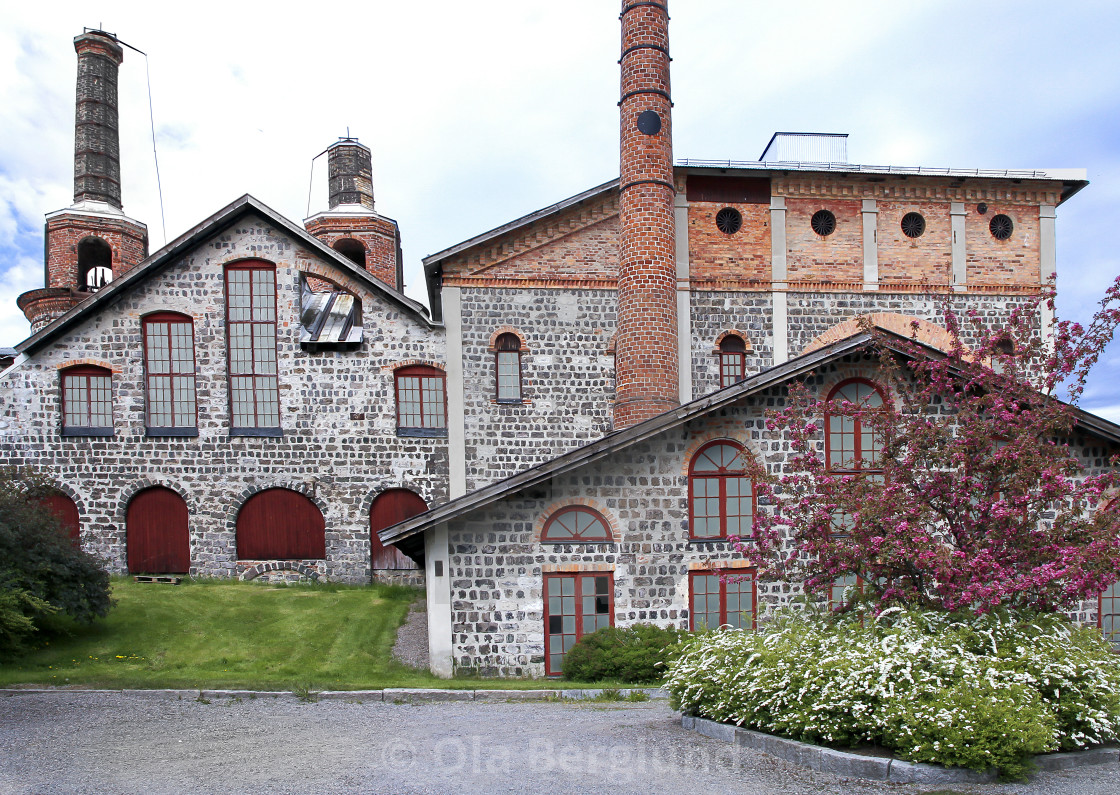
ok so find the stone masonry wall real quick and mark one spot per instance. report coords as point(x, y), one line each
point(713, 313)
point(339, 446)
point(567, 376)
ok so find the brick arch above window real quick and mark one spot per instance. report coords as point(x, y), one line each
point(592, 505)
point(904, 325)
point(501, 331)
point(99, 363)
point(394, 366)
point(742, 335)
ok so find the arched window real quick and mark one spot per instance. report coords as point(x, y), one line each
point(851, 441)
point(732, 360)
point(720, 495)
point(576, 524)
point(87, 401)
point(421, 407)
point(95, 264)
point(254, 392)
point(169, 369)
point(352, 249)
point(280, 524)
point(507, 368)
point(1108, 606)
point(156, 535)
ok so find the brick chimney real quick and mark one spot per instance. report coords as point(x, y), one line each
point(646, 350)
point(349, 225)
point(93, 241)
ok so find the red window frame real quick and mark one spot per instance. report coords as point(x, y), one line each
point(432, 423)
point(507, 368)
point(1108, 604)
point(179, 383)
point(569, 520)
point(728, 593)
point(839, 587)
point(732, 360)
point(262, 332)
point(723, 477)
point(556, 610)
point(83, 399)
point(858, 461)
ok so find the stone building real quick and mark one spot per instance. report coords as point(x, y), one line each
point(258, 398)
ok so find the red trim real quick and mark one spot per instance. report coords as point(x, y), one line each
point(419, 371)
point(857, 428)
point(251, 265)
point(85, 371)
point(723, 475)
point(606, 539)
point(723, 574)
point(578, 577)
point(506, 343)
point(732, 356)
point(168, 317)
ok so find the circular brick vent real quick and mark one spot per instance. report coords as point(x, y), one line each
point(1001, 227)
point(823, 223)
point(729, 220)
point(913, 225)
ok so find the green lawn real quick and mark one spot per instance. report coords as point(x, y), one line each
point(224, 634)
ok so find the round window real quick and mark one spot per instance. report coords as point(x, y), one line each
point(1001, 227)
point(729, 220)
point(823, 223)
point(913, 225)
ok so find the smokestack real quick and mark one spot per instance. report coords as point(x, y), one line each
point(97, 164)
point(646, 351)
point(351, 173)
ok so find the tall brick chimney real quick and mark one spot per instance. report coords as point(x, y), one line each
point(646, 350)
point(349, 225)
point(91, 242)
point(97, 155)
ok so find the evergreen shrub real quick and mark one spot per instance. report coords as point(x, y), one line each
point(637, 654)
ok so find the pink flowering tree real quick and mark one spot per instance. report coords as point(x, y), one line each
point(971, 485)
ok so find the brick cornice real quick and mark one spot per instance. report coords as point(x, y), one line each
point(535, 282)
point(828, 186)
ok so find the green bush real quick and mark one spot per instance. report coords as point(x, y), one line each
point(975, 692)
point(41, 572)
point(636, 654)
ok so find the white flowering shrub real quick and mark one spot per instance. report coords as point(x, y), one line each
point(970, 691)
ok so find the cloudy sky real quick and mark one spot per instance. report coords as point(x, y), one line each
point(478, 113)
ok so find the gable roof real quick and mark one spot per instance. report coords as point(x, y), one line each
point(408, 535)
point(215, 224)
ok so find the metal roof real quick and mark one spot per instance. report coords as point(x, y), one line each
point(407, 535)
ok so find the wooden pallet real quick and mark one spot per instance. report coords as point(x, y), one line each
point(164, 578)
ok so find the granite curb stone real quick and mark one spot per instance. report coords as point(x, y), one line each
point(409, 695)
point(843, 763)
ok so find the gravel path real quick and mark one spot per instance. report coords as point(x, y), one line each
point(411, 647)
point(66, 742)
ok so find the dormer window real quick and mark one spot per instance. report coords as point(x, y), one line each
point(330, 318)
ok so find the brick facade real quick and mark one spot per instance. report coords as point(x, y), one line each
point(379, 236)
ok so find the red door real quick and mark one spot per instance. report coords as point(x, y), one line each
point(66, 512)
point(280, 524)
point(156, 533)
point(390, 507)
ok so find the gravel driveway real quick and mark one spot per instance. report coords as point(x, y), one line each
point(130, 743)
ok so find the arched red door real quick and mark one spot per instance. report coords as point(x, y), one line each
point(390, 507)
point(156, 533)
point(280, 524)
point(66, 512)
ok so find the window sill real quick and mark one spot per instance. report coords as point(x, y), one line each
point(702, 541)
point(103, 432)
point(158, 432)
point(429, 433)
point(274, 432)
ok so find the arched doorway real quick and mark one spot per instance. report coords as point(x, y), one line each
point(390, 507)
point(156, 534)
point(66, 511)
point(280, 524)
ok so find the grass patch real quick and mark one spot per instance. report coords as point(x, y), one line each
point(224, 634)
